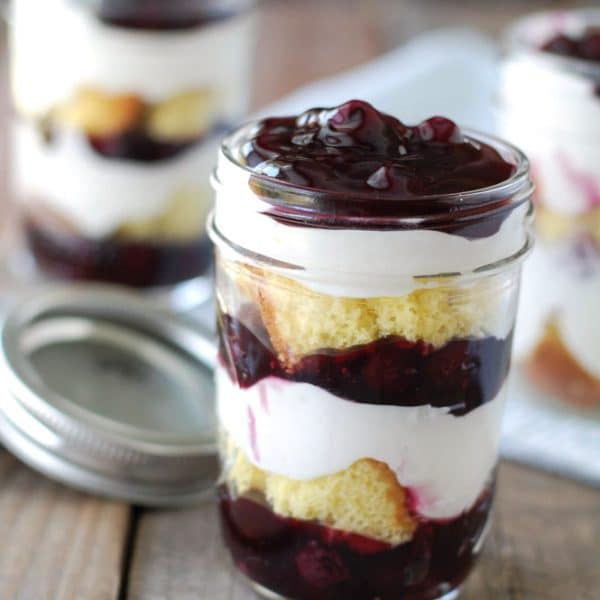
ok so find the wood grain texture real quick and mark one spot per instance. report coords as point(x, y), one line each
point(544, 545)
point(178, 554)
point(545, 542)
point(57, 544)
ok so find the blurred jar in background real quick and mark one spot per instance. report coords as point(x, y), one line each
point(119, 109)
point(550, 107)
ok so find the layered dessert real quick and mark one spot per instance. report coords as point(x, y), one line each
point(120, 107)
point(367, 275)
point(550, 106)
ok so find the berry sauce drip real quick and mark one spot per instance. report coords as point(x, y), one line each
point(160, 15)
point(353, 148)
point(308, 561)
point(138, 264)
point(460, 376)
point(584, 47)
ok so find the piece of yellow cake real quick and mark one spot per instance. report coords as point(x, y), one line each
point(365, 499)
point(100, 114)
point(184, 116)
point(301, 321)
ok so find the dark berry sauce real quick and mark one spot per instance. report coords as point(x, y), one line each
point(160, 15)
point(138, 146)
point(132, 263)
point(308, 561)
point(461, 375)
point(354, 148)
point(359, 163)
point(584, 47)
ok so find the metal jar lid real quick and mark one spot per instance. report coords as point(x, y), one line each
point(106, 392)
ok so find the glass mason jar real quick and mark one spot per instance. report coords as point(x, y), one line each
point(119, 112)
point(549, 105)
point(361, 379)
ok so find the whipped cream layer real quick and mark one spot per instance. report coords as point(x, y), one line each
point(58, 46)
point(555, 286)
point(357, 263)
point(302, 431)
point(97, 195)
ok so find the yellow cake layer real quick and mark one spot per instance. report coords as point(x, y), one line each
point(364, 499)
point(300, 321)
point(100, 114)
point(184, 116)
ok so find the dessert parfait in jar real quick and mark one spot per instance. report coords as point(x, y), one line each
point(367, 280)
point(549, 105)
point(119, 111)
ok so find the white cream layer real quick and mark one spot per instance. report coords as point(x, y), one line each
point(551, 287)
point(95, 194)
point(353, 262)
point(302, 431)
point(58, 46)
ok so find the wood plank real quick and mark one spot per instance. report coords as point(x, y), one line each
point(544, 545)
point(178, 554)
point(57, 544)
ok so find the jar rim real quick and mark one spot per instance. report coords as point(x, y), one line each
point(305, 204)
point(517, 38)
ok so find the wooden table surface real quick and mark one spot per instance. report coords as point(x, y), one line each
point(60, 544)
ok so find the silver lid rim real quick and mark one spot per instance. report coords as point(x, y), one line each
point(72, 421)
point(53, 466)
point(89, 451)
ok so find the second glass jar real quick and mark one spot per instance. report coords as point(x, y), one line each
point(119, 110)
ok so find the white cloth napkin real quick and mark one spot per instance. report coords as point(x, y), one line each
point(454, 72)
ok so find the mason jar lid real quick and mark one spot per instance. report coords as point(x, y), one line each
point(106, 392)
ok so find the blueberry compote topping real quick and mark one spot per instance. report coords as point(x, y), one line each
point(308, 561)
point(160, 14)
point(354, 148)
point(459, 376)
point(584, 47)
